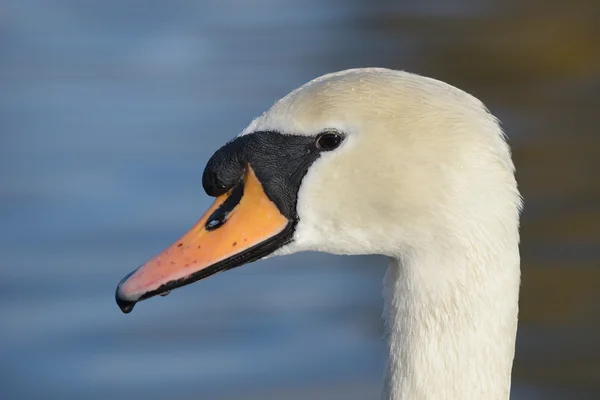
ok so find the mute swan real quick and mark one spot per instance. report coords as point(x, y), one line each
point(376, 161)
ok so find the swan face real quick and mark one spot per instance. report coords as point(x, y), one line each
point(418, 158)
point(357, 162)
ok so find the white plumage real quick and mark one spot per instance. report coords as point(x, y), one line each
point(425, 177)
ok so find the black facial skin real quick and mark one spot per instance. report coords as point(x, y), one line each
point(280, 162)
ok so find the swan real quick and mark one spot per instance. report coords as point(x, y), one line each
point(376, 161)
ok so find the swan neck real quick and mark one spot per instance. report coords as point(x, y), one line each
point(451, 335)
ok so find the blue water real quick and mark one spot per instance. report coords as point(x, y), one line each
point(108, 113)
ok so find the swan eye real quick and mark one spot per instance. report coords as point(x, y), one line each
point(329, 141)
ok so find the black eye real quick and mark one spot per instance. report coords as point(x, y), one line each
point(329, 140)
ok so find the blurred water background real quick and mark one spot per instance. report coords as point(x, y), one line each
point(109, 111)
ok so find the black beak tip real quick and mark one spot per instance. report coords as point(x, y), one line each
point(125, 305)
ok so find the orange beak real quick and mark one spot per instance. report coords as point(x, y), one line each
point(241, 226)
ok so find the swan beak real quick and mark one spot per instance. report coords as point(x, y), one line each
point(241, 226)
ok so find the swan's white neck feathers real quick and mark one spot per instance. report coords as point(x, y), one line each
point(451, 336)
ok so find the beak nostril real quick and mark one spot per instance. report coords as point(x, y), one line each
point(214, 224)
point(219, 217)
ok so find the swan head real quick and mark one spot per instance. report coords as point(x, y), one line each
point(364, 161)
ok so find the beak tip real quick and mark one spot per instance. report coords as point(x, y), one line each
point(126, 308)
point(126, 305)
